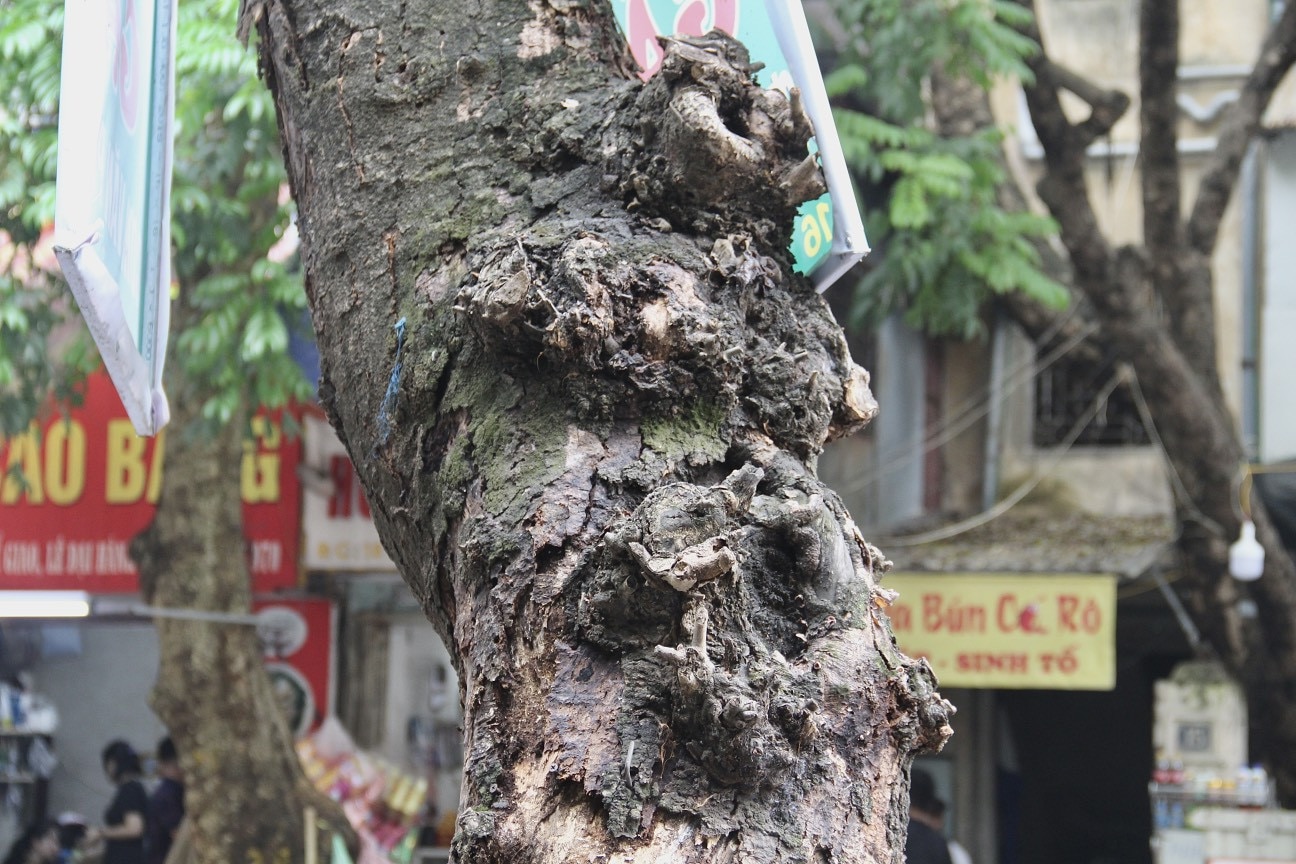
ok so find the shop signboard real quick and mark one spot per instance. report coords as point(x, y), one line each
point(1004, 631)
point(77, 489)
point(112, 221)
point(828, 235)
point(336, 523)
point(297, 644)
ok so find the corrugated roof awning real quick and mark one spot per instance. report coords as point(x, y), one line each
point(1041, 539)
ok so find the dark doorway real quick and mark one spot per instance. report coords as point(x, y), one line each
point(1086, 757)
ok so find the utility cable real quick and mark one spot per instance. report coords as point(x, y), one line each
point(956, 425)
point(983, 396)
point(1176, 481)
point(1140, 587)
point(1181, 614)
point(1055, 458)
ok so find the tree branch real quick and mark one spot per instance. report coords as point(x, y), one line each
point(1106, 106)
point(1063, 187)
point(1240, 125)
point(1196, 431)
point(1159, 143)
point(1179, 278)
point(962, 108)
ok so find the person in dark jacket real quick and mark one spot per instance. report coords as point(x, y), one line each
point(925, 843)
point(125, 818)
point(166, 804)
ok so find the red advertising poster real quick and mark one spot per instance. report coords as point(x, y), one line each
point(296, 636)
point(76, 490)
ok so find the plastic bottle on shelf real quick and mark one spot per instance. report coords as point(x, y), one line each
point(1255, 793)
point(18, 705)
point(1161, 814)
point(1200, 785)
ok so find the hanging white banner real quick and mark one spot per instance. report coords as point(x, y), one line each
point(112, 224)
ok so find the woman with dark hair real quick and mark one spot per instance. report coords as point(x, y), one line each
point(123, 828)
point(39, 844)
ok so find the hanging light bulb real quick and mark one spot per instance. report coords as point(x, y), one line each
point(1246, 556)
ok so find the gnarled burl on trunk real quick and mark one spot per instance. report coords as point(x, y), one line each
point(562, 343)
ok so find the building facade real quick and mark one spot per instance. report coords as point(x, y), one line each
point(1003, 456)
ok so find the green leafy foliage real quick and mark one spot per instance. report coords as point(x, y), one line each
point(33, 305)
point(228, 214)
point(943, 244)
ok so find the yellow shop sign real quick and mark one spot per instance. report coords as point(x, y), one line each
point(1047, 631)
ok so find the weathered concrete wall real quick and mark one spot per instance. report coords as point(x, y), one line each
point(1131, 481)
point(1277, 348)
point(101, 695)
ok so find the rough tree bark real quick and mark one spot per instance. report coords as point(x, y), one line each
point(1155, 307)
point(560, 340)
point(244, 789)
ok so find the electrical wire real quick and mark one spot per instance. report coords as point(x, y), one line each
point(1140, 587)
point(1182, 617)
point(972, 410)
point(955, 425)
point(1124, 373)
point(1176, 481)
point(1055, 458)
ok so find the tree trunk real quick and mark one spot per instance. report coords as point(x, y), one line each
point(561, 342)
point(245, 792)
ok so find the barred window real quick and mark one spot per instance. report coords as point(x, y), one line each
point(1065, 392)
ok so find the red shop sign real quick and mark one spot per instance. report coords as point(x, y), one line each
point(76, 491)
point(296, 635)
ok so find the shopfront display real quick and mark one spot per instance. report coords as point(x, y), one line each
point(1208, 805)
point(28, 723)
point(384, 803)
point(75, 489)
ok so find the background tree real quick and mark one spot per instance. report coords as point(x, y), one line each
point(560, 340)
point(945, 243)
point(32, 300)
point(229, 356)
point(1154, 304)
point(1150, 304)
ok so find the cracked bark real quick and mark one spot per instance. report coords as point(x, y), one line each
point(1175, 362)
point(589, 446)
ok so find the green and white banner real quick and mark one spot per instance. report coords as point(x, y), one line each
point(112, 224)
point(828, 237)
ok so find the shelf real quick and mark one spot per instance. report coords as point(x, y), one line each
point(17, 778)
point(1209, 797)
point(22, 733)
